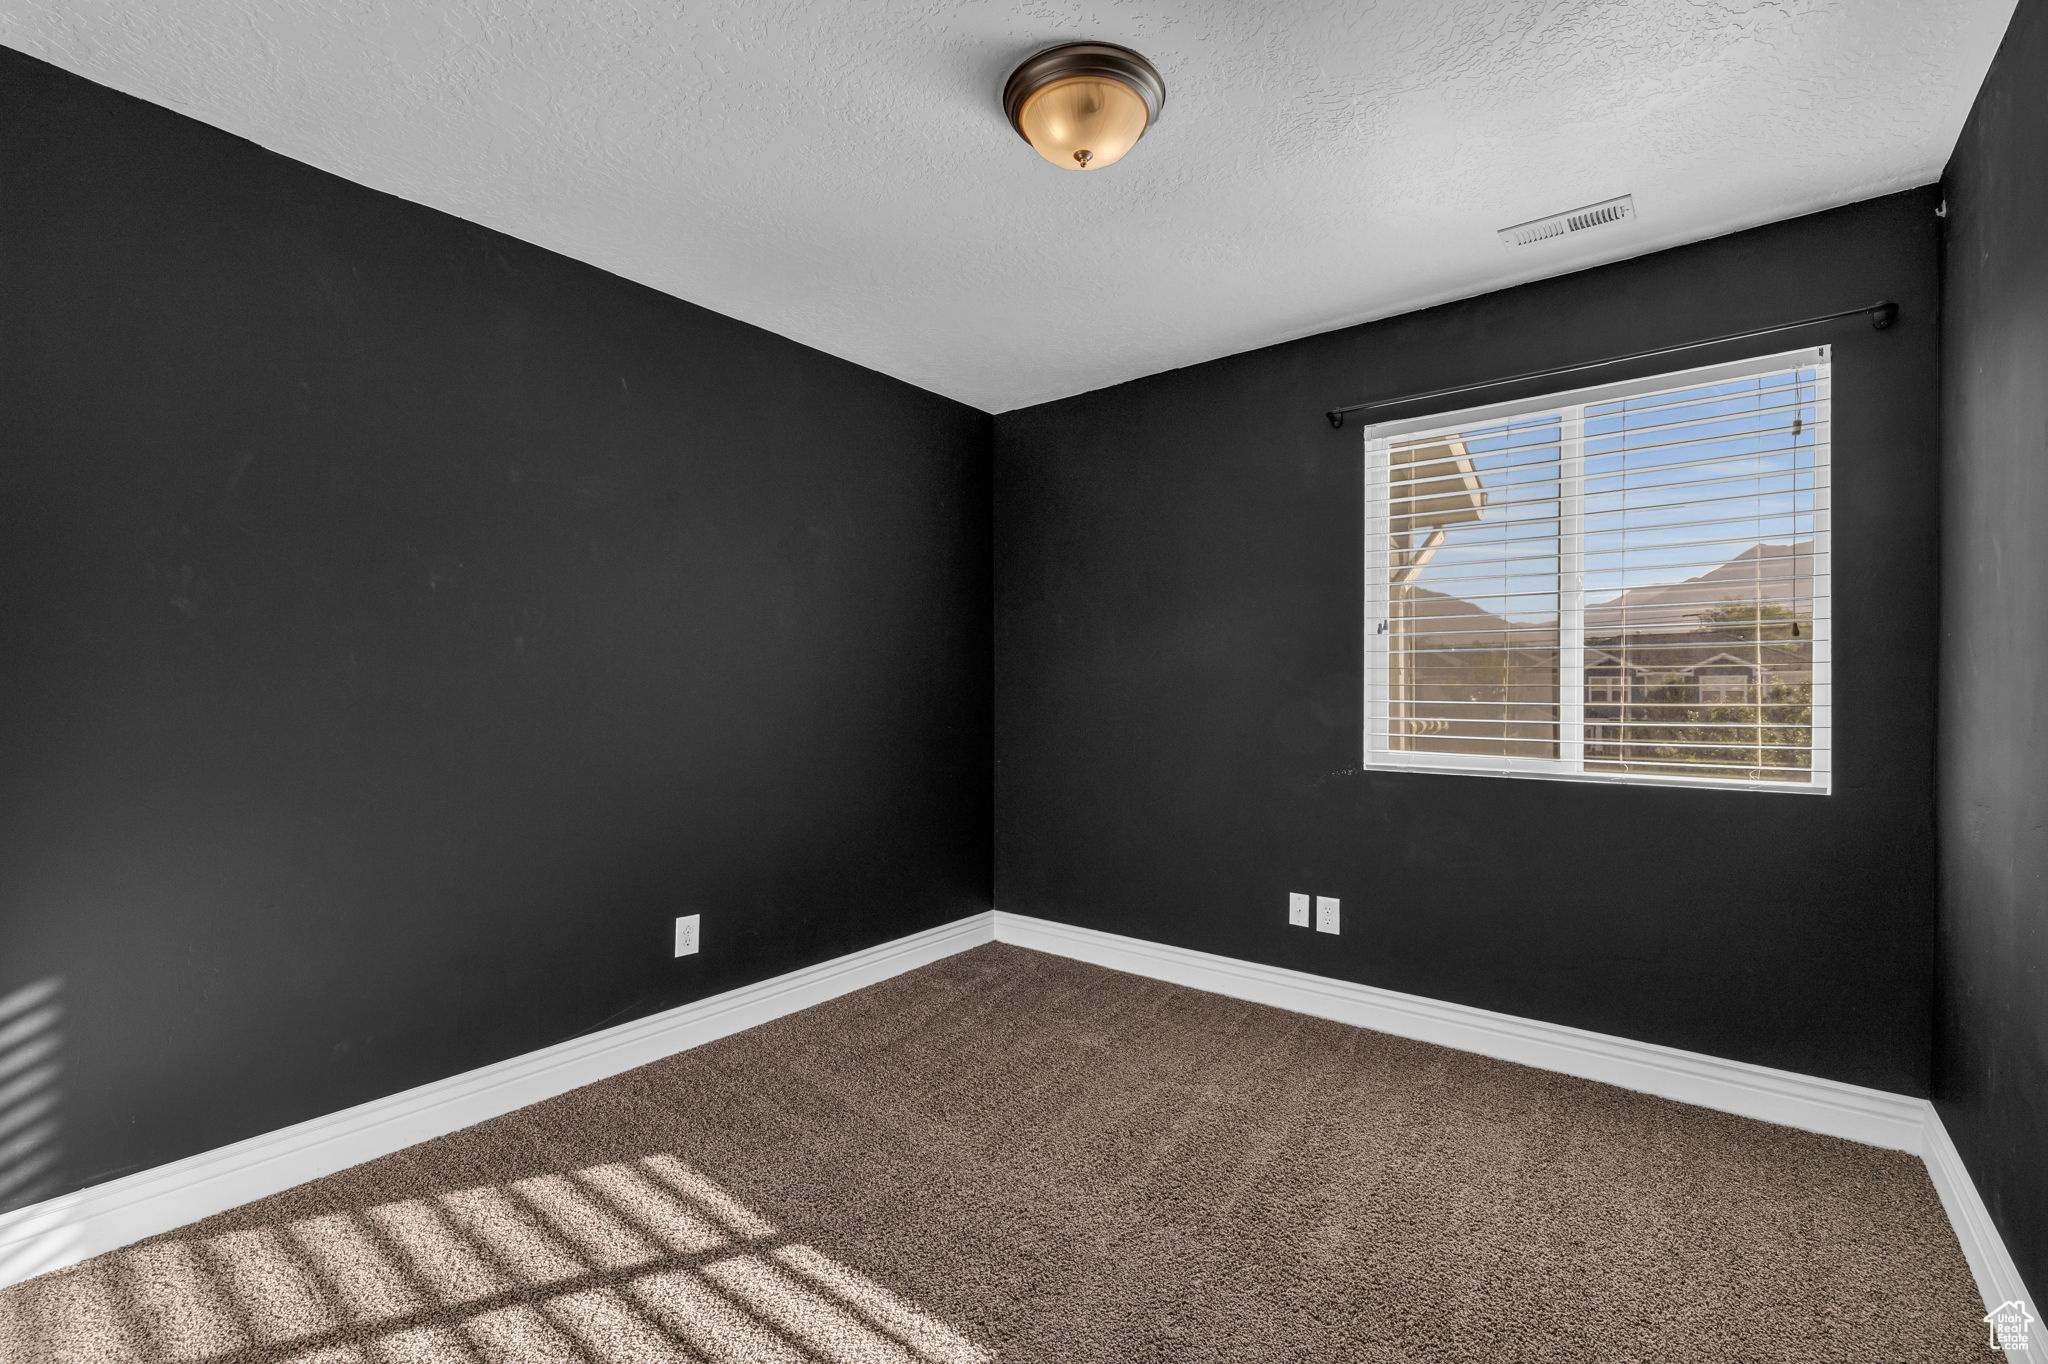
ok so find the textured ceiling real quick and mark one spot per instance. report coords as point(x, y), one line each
point(839, 171)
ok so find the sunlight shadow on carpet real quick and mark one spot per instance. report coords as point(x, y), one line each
point(633, 1262)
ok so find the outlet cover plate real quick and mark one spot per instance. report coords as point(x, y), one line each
point(1297, 909)
point(686, 935)
point(1326, 914)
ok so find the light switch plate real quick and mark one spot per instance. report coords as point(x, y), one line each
point(1297, 909)
point(1326, 914)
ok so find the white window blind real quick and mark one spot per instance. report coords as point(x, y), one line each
point(1623, 583)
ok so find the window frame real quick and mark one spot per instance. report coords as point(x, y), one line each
point(1569, 407)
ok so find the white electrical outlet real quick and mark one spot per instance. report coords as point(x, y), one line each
point(686, 935)
point(1326, 914)
point(1297, 909)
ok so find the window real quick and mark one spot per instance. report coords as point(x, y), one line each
point(1724, 689)
point(1607, 690)
point(1625, 583)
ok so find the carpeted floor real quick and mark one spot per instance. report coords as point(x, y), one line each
point(1010, 1156)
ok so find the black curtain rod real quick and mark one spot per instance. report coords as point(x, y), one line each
point(1881, 313)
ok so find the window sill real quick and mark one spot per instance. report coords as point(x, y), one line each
point(1820, 787)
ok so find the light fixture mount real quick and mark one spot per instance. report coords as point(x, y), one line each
point(1081, 106)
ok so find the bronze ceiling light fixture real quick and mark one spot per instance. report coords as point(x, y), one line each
point(1081, 106)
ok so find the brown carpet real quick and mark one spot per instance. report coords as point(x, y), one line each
point(1010, 1156)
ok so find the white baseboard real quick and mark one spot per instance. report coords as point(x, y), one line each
point(1998, 1278)
point(76, 1226)
point(1872, 1116)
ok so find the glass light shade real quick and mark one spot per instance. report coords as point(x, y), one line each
point(1083, 122)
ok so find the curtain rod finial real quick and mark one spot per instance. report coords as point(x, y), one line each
point(1882, 315)
point(1336, 416)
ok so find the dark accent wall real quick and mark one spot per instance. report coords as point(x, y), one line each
point(403, 624)
point(1991, 1058)
point(1178, 658)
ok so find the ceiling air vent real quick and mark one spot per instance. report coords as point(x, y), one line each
point(1569, 223)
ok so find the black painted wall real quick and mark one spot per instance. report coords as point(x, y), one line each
point(1991, 1059)
point(404, 623)
point(1178, 653)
